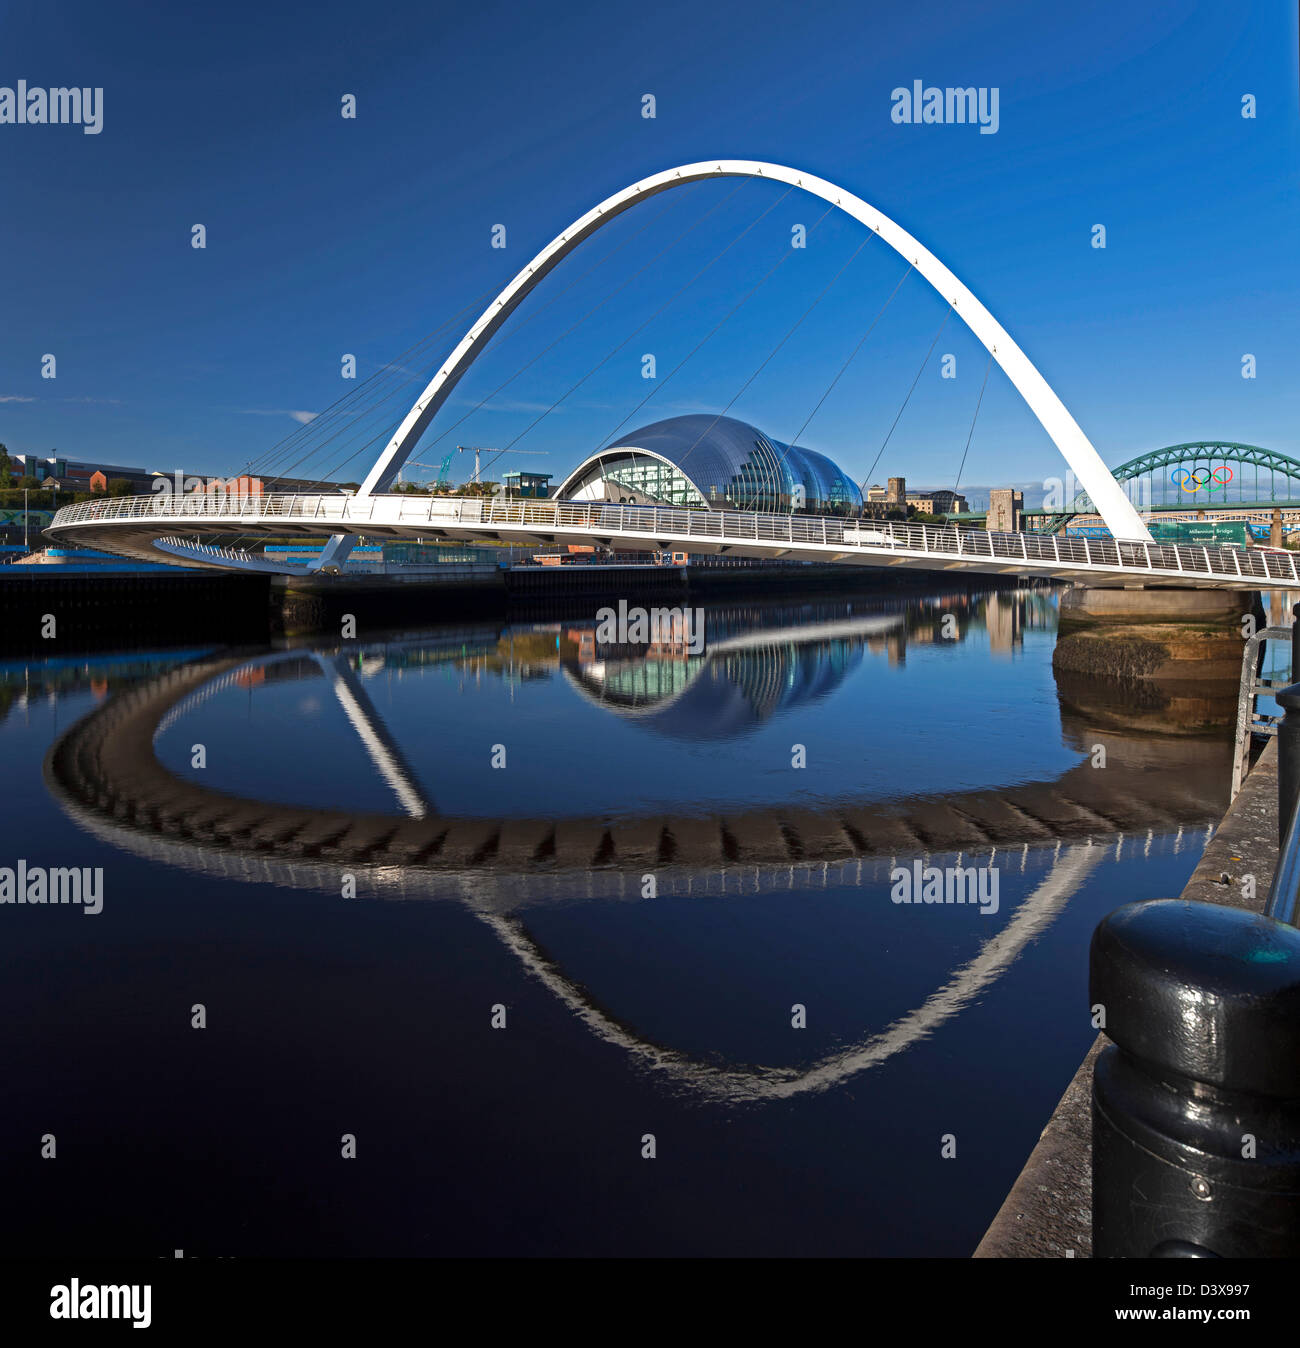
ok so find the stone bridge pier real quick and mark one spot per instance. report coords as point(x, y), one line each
point(1182, 646)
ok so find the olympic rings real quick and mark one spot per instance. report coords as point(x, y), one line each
point(1186, 479)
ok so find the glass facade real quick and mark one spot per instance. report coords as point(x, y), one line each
point(652, 478)
point(716, 463)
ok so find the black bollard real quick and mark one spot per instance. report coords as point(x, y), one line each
point(1196, 1104)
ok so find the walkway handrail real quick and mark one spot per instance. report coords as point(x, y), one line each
point(1284, 893)
point(659, 523)
point(1250, 721)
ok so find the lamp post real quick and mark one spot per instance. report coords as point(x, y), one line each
point(25, 491)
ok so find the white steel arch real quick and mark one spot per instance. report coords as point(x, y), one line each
point(1112, 504)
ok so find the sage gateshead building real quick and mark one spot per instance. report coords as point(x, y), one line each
point(712, 463)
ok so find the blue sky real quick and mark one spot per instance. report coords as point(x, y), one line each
point(328, 236)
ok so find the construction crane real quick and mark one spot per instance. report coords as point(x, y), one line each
point(417, 464)
point(476, 450)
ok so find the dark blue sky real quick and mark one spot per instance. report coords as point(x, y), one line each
point(328, 236)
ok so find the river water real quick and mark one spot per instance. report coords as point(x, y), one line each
point(518, 941)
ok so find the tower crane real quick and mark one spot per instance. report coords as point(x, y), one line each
point(442, 469)
point(476, 450)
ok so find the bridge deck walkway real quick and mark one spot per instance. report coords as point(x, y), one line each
point(158, 527)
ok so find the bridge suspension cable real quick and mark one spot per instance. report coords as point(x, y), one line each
point(568, 331)
point(785, 253)
point(988, 365)
point(366, 397)
point(852, 355)
point(771, 354)
point(359, 393)
point(642, 326)
point(906, 400)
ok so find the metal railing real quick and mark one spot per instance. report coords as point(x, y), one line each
point(1283, 902)
point(1284, 893)
point(212, 549)
point(1251, 722)
point(1250, 565)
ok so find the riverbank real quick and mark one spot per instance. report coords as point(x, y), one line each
point(309, 605)
point(53, 610)
point(50, 610)
point(1048, 1213)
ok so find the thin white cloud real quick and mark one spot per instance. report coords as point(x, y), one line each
point(301, 417)
point(15, 398)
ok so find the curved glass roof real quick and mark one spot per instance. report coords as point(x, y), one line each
point(714, 462)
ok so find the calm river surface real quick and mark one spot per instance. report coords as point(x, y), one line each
point(617, 854)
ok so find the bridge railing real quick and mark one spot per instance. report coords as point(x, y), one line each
point(655, 524)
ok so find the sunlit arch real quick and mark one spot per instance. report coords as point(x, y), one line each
point(1106, 494)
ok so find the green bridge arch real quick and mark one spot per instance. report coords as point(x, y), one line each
point(1205, 453)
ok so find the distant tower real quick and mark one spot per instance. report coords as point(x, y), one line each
point(1005, 508)
point(897, 492)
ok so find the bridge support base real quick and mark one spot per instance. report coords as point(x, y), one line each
point(1172, 656)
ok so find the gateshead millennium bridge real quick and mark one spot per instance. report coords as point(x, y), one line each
point(172, 529)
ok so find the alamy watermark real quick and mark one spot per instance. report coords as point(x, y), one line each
point(951, 884)
point(1067, 493)
point(22, 106)
point(55, 884)
point(218, 487)
point(75, 1300)
point(920, 106)
point(634, 626)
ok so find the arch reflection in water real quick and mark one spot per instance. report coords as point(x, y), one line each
point(85, 744)
point(106, 774)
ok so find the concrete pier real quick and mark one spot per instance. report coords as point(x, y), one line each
point(1157, 635)
point(1048, 1213)
point(1163, 659)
